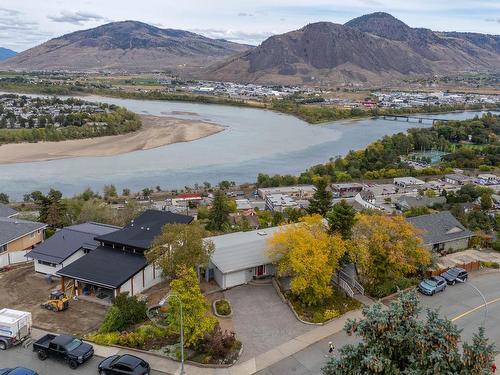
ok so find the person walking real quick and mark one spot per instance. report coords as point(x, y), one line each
point(331, 348)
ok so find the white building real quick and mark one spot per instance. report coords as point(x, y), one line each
point(279, 202)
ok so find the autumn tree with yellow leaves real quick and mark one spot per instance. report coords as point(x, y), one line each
point(309, 255)
point(386, 248)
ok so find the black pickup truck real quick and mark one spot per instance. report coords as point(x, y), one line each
point(67, 348)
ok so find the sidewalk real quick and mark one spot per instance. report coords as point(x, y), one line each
point(251, 366)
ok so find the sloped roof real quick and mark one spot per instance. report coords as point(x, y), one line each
point(12, 229)
point(105, 266)
point(241, 250)
point(413, 202)
point(439, 227)
point(141, 232)
point(6, 211)
point(67, 241)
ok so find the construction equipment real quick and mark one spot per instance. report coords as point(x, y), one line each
point(58, 301)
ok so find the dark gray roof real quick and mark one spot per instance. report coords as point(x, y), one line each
point(406, 202)
point(6, 211)
point(67, 241)
point(141, 232)
point(12, 229)
point(105, 267)
point(439, 227)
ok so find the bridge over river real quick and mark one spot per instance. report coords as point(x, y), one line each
point(413, 118)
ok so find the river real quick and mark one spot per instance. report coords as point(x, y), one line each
point(254, 141)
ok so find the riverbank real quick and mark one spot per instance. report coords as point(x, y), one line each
point(311, 113)
point(156, 131)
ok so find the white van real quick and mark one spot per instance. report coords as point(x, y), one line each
point(15, 327)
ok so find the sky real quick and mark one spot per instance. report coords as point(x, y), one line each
point(26, 23)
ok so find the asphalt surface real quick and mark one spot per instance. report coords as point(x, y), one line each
point(453, 303)
point(20, 357)
point(460, 302)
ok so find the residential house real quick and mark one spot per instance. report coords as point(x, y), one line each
point(67, 245)
point(118, 264)
point(346, 190)
point(6, 211)
point(408, 182)
point(365, 202)
point(442, 232)
point(279, 202)
point(406, 202)
point(17, 237)
point(240, 257)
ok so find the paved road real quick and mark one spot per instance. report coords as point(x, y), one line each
point(454, 302)
point(26, 358)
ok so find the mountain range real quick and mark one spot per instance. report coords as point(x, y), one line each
point(5, 53)
point(371, 49)
point(374, 48)
point(127, 46)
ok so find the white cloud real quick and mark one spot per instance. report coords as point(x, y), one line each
point(77, 18)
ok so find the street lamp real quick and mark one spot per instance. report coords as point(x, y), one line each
point(182, 330)
point(484, 300)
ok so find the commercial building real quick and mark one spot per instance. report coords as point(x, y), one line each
point(279, 202)
point(296, 191)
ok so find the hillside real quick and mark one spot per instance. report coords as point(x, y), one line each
point(5, 53)
point(124, 46)
point(375, 48)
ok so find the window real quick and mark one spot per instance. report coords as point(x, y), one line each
point(3, 249)
point(46, 263)
point(438, 247)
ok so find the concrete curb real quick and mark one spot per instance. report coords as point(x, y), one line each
point(214, 307)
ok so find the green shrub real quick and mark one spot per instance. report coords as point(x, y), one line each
point(110, 338)
point(223, 307)
point(391, 286)
point(125, 312)
point(489, 264)
point(496, 245)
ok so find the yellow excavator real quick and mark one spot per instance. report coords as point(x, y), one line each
point(58, 301)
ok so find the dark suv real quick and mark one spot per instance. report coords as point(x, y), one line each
point(123, 365)
point(455, 274)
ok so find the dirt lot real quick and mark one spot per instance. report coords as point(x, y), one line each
point(22, 289)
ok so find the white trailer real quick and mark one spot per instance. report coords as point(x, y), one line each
point(15, 327)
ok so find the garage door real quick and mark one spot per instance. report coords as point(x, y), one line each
point(236, 278)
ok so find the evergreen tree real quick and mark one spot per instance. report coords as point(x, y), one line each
point(396, 341)
point(321, 201)
point(218, 216)
point(341, 218)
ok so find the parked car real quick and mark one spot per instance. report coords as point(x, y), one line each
point(67, 348)
point(455, 274)
point(17, 371)
point(432, 285)
point(15, 327)
point(123, 364)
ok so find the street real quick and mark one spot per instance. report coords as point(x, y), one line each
point(461, 302)
point(26, 358)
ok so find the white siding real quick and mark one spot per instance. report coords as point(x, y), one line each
point(42, 268)
point(219, 277)
point(137, 281)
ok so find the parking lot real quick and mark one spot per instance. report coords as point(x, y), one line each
point(22, 289)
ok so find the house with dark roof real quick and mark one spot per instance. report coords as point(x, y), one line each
point(118, 264)
point(17, 237)
point(442, 232)
point(407, 202)
point(67, 245)
point(6, 211)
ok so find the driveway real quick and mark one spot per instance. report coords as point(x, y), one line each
point(261, 320)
